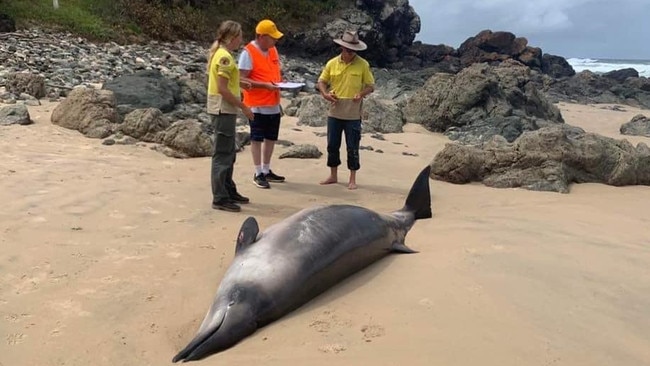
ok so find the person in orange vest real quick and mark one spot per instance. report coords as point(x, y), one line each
point(259, 64)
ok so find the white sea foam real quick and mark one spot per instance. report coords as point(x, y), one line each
point(606, 65)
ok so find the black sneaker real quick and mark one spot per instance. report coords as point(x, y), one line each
point(226, 205)
point(272, 177)
point(260, 181)
point(238, 198)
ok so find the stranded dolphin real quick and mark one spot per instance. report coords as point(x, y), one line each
point(285, 266)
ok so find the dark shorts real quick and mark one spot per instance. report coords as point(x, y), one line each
point(265, 127)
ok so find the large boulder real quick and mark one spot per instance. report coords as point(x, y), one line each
point(145, 124)
point(145, 89)
point(89, 111)
point(187, 138)
point(482, 101)
point(549, 159)
point(383, 116)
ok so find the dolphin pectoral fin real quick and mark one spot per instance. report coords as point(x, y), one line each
point(402, 248)
point(247, 234)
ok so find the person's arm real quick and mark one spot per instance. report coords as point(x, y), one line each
point(329, 96)
point(226, 94)
point(365, 91)
point(243, 74)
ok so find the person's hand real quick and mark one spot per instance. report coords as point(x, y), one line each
point(248, 113)
point(330, 97)
point(271, 86)
point(245, 84)
point(357, 97)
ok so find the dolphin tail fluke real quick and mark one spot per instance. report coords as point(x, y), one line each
point(237, 324)
point(418, 200)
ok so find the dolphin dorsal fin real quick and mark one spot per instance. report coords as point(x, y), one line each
point(247, 234)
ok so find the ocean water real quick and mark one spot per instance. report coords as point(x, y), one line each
point(603, 65)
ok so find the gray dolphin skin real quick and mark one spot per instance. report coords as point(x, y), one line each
point(291, 262)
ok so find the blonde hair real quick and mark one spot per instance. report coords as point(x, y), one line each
point(228, 30)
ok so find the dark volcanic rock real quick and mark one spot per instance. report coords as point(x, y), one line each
point(556, 66)
point(145, 89)
point(549, 159)
point(622, 74)
point(387, 27)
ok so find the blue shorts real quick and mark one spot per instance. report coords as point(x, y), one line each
point(265, 127)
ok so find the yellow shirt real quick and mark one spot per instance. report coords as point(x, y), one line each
point(345, 81)
point(222, 64)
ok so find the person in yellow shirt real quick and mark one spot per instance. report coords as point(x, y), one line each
point(223, 104)
point(344, 82)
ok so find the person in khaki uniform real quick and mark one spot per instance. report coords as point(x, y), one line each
point(223, 104)
point(344, 82)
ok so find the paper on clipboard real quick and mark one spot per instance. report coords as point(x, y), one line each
point(289, 85)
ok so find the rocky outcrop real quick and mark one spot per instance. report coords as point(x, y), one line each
point(638, 126)
point(492, 47)
point(387, 27)
point(549, 159)
point(589, 87)
point(482, 101)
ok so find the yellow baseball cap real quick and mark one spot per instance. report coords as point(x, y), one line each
point(268, 27)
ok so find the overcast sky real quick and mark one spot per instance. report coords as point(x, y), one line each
point(568, 28)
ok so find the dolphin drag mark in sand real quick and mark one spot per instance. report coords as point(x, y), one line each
point(296, 259)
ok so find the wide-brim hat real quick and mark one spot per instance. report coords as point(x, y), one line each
point(350, 40)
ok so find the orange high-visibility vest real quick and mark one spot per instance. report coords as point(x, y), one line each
point(265, 68)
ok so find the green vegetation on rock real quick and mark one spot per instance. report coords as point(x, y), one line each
point(167, 20)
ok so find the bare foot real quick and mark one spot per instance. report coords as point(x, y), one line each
point(329, 180)
point(352, 185)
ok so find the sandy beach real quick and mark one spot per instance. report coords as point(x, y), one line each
point(111, 255)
